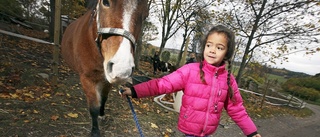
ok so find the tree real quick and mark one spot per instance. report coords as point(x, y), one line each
point(307, 88)
point(45, 11)
point(73, 8)
point(272, 28)
point(187, 23)
point(140, 42)
point(30, 7)
point(178, 16)
point(168, 17)
point(194, 17)
point(11, 7)
point(150, 31)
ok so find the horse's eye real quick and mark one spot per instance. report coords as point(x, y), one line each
point(106, 2)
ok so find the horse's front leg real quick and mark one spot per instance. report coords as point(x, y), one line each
point(93, 97)
point(104, 97)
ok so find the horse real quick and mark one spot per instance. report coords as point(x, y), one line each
point(99, 46)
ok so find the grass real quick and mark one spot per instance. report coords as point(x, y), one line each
point(280, 79)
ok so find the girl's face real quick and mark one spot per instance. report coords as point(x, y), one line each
point(215, 48)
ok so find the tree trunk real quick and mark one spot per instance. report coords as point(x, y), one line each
point(247, 50)
point(183, 59)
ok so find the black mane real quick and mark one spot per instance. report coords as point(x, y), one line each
point(91, 4)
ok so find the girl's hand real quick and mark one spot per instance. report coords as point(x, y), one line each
point(126, 92)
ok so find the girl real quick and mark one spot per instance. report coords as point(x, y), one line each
point(207, 86)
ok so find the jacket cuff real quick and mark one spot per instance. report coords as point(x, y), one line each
point(252, 134)
point(133, 92)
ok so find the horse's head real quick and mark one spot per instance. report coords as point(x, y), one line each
point(119, 25)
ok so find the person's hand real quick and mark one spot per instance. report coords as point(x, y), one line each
point(126, 92)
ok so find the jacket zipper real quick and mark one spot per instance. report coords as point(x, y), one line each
point(215, 97)
point(210, 100)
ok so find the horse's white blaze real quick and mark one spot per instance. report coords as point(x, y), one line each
point(123, 63)
point(123, 59)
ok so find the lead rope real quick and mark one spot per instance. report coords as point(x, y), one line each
point(133, 113)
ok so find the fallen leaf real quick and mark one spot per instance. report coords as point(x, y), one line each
point(35, 111)
point(54, 118)
point(46, 95)
point(29, 95)
point(73, 115)
point(4, 96)
point(154, 125)
point(14, 96)
point(59, 94)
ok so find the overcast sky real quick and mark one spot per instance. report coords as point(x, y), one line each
point(299, 62)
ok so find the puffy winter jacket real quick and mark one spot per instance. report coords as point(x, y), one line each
point(202, 104)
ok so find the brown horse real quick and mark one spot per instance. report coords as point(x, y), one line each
point(99, 46)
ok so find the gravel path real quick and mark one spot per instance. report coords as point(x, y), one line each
point(282, 126)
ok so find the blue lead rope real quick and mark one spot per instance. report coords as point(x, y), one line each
point(133, 113)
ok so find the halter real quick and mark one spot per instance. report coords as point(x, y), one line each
point(115, 31)
point(112, 31)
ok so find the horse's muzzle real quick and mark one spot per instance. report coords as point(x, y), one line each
point(118, 73)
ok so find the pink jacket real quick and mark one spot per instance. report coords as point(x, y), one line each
point(202, 104)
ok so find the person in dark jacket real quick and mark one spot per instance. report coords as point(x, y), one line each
point(155, 62)
point(192, 58)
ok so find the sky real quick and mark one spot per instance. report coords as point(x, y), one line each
point(299, 62)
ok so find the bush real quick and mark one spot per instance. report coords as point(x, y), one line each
point(306, 88)
point(165, 56)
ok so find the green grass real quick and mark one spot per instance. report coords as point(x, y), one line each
point(280, 79)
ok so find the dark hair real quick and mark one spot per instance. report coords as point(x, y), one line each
point(227, 59)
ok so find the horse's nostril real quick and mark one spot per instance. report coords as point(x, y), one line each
point(109, 67)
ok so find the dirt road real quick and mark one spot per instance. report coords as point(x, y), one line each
point(284, 126)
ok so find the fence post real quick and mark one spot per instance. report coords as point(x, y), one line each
point(265, 93)
point(57, 22)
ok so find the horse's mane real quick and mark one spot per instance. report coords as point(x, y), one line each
point(91, 4)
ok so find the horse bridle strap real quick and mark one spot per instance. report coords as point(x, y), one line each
point(118, 31)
